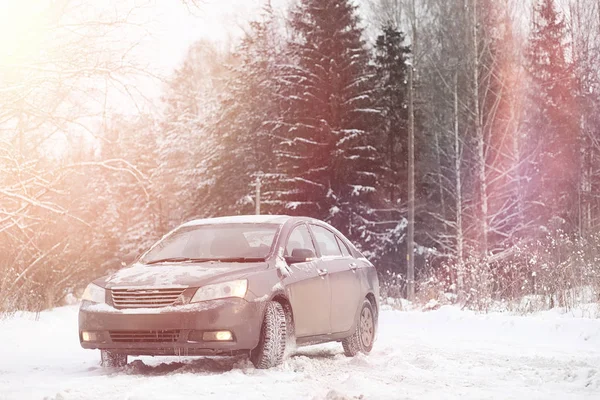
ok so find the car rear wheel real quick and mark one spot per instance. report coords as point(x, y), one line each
point(112, 360)
point(271, 347)
point(363, 337)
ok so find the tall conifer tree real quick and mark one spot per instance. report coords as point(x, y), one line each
point(328, 156)
point(552, 137)
point(241, 131)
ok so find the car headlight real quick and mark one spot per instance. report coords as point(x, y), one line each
point(221, 291)
point(94, 293)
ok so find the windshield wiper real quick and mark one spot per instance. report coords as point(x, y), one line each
point(219, 259)
point(178, 259)
point(240, 259)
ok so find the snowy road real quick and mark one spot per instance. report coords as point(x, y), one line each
point(445, 354)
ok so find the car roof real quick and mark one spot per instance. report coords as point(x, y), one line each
point(241, 219)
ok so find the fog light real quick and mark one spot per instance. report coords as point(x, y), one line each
point(90, 336)
point(217, 336)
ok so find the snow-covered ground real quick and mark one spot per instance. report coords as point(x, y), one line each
point(443, 354)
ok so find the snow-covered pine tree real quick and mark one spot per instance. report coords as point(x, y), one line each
point(391, 73)
point(240, 131)
point(184, 143)
point(391, 57)
point(132, 144)
point(552, 132)
point(328, 159)
point(117, 192)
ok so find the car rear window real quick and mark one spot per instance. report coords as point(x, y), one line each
point(343, 247)
point(326, 241)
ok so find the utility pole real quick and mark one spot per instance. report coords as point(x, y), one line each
point(257, 202)
point(410, 251)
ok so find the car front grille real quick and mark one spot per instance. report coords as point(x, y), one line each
point(145, 298)
point(165, 336)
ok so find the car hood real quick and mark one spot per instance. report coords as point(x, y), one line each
point(179, 274)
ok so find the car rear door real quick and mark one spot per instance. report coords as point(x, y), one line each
point(308, 288)
point(344, 281)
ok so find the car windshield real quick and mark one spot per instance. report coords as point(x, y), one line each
point(223, 242)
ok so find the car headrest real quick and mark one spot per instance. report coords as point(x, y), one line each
point(229, 245)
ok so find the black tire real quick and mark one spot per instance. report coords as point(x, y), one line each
point(111, 359)
point(363, 337)
point(273, 335)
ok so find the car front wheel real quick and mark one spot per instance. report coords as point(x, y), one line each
point(363, 337)
point(273, 336)
point(112, 360)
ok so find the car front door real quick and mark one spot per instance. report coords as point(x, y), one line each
point(344, 281)
point(308, 288)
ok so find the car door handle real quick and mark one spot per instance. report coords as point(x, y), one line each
point(353, 267)
point(322, 272)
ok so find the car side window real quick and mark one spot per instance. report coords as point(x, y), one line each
point(299, 239)
point(326, 241)
point(343, 247)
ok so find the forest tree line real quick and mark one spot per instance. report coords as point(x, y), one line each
point(313, 104)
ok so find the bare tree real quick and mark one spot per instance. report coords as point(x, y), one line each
point(584, 29)
point(57, 81)
point(388, 12)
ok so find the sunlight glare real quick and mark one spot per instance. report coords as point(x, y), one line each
point(21, 31)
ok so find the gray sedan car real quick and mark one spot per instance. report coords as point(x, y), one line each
point(224, 286)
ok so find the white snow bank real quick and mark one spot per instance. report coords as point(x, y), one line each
point(442, 354)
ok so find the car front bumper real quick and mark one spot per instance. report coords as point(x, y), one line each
point(172, 330)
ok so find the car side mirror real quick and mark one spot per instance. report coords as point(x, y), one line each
point(300, 256)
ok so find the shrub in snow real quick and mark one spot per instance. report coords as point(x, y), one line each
point(553, 270)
